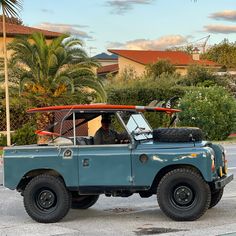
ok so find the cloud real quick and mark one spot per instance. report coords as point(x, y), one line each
point(122, 6)
point(227, 15)
point(220, 29)
point(73, 29)
point(115, 45)
point(47, 11)
point(156, 44)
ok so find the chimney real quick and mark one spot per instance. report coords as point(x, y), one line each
point(196, 54)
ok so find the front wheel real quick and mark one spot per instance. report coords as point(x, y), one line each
point(183, 195)
point(46, 199)
point(216, 197)
point(83, 202)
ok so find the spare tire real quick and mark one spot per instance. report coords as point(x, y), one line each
point(177, 134)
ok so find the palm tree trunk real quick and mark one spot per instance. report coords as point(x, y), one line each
point(6, 79)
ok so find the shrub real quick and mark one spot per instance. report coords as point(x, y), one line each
point(199, 76)
point(212, 109)
point(142, 91)
point(3, 140)
point(25, 135)
point(162, 66)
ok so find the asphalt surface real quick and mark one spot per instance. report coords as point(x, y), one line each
point(122, 216)
point(231, 154)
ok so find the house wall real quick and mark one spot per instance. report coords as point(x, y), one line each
point(9, 40)
point(181, 70)
point(125, 63)
point(107, 62)
point(1, 46)
point(94, 125)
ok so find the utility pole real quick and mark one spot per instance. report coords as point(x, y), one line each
point(6, 80)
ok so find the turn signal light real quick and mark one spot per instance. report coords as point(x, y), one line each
point(220, 172)
point(212, 165)
point(225, 170)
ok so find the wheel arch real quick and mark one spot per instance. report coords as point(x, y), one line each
point(167, 169)
point(33, 173)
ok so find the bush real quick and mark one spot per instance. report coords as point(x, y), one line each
point(162, 66)
point(199, 76)
point(25, 135)
point(142, 91)
point(212, 109)
point(3, 140)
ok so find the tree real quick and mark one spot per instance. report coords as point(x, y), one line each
point(223, 53)
point(9, 9)
point(156, 69)
point(198, 76)
point(56, 73)
point(187, 49)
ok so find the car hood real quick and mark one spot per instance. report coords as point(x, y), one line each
point(162, 145)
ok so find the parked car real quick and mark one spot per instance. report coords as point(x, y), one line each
point(187, 174)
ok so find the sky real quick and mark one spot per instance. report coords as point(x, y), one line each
point(135, 24)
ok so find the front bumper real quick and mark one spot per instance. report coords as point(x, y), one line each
point(220, 183)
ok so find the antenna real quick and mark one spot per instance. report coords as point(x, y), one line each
point(90, 50)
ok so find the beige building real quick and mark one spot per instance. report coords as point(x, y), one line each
point(13, 30)
point(137, 60)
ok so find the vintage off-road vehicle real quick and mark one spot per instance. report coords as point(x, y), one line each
point(187, 174)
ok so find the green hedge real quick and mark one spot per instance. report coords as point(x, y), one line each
point(142, 92)
point(212, 109)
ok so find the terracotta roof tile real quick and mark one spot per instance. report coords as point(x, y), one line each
point(108, 69)
point(13, 30)
point(177, 58)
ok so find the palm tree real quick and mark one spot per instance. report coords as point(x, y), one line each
point(56, 73)
point(9, 9)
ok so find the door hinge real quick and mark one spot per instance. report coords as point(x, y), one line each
point(131, 179)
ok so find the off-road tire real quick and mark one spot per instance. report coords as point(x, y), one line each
point(183, 195)
point(46, 199)
point(216, 197)
point(83, 202)
point(177, 134)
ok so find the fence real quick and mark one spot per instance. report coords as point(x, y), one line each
point(18, 118)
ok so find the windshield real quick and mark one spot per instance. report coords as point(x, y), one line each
point(138, 126)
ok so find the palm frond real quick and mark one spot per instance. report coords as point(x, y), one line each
point(71, 42)
point(11, 7)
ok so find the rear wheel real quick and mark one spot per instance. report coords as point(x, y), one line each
point(46, 199)
point(83, 202)
point(216, 197)
point(183, 195)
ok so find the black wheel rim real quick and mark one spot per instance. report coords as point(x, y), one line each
point(182, 196)
point(46, 200)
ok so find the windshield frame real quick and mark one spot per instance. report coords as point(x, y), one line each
point(132, 133)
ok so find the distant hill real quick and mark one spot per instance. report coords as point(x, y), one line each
point(106, 56)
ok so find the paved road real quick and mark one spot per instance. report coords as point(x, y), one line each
point(122, 216)
point(231, 154)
